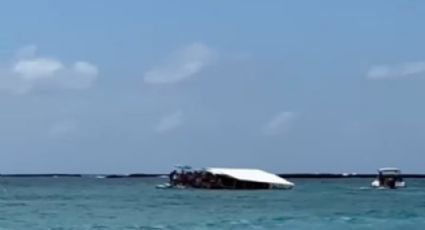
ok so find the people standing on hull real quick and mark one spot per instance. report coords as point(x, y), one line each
point(195, 179)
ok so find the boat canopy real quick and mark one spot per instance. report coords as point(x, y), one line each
point(251, 175)
point(389, 170)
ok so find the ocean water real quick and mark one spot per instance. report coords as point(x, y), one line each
point(103, 204)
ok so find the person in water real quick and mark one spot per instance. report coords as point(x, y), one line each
point(381, 179)
point(173, 177)
point(391, 182)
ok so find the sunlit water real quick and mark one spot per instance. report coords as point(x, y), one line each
point(88, 203)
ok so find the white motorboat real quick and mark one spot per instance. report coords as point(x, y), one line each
point(389, 177)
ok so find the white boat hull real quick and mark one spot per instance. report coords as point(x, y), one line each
point(398, 184)
point(168, 185)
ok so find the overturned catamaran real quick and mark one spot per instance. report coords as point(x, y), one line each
point(226, 178)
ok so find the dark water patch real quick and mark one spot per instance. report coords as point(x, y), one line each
point(282, 219)
point(99, 227)
point(13, 204)
point(148, 227)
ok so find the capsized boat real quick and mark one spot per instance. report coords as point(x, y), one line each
point(389, 177)
point(234, 178)
point(226, 178)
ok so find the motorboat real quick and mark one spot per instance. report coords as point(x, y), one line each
point(389, 177)
point(226, 178)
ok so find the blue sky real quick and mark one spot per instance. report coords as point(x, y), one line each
point(138, 86)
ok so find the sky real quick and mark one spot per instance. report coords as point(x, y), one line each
point(107, 86)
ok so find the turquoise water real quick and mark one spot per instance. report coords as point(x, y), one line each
point(86, 203)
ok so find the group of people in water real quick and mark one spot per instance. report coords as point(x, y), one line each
point(195, 179)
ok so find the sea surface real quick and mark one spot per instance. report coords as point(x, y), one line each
point(134, 203)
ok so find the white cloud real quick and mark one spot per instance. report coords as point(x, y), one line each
point(184, 64)
point(29, 71)
point(34, 68)
point(63, 128)
point(410, 69)
point(170, 122)
point(280, 123)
